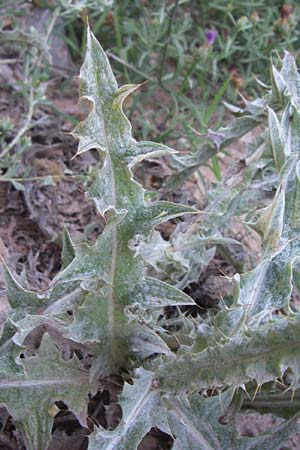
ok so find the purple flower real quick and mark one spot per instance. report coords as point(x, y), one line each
point(210, 36)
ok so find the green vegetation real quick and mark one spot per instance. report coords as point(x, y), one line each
point(121, 318)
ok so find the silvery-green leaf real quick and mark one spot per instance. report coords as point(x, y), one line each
point(142, 410)
point(96, 75)
point(101, 190)
point(291, 187)
point(294, 139)
point(269, 285)
point(30, 392)
point(112, 277)
point(163, 210)
point(276, 137)
point(228, 322)
point(35, 326)
point(239, 127)
point(180, 259)
point(233, 108)
point(146, 149)
point(153, 292)
point(255, 107)
point(151, 249)
point(89, 262)
point(265, 288)
point(68, 250)
point(290, 74)
point(144, 343)
point(63, 298)
point(262, 356)
point(20, 299)
point(195, 424)
point(9, 352)
point(8, 329)
point(278, 86)
point(270, 223)
point(195, 159)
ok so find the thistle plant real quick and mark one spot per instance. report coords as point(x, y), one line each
point(102, 314)
point(104, 286)
point(193, 244)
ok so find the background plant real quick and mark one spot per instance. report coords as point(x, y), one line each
point(32, 39)
point(174, 47)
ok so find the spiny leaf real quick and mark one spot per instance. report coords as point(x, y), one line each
point(290, 74)
point(276, 137)
point(181, 258)
point(30, 392)
point(264, 289)
point(269, 285)
point(263, 356)
point(142, 410)
point(68, 250)
point(278, 87)
point(270, 223)
point(146, 149)
point(225, 135)
point(20, 299)
point(111, 276)
point(9, 352)
point(196, 426)
point(153, 292)
point(144, 343)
